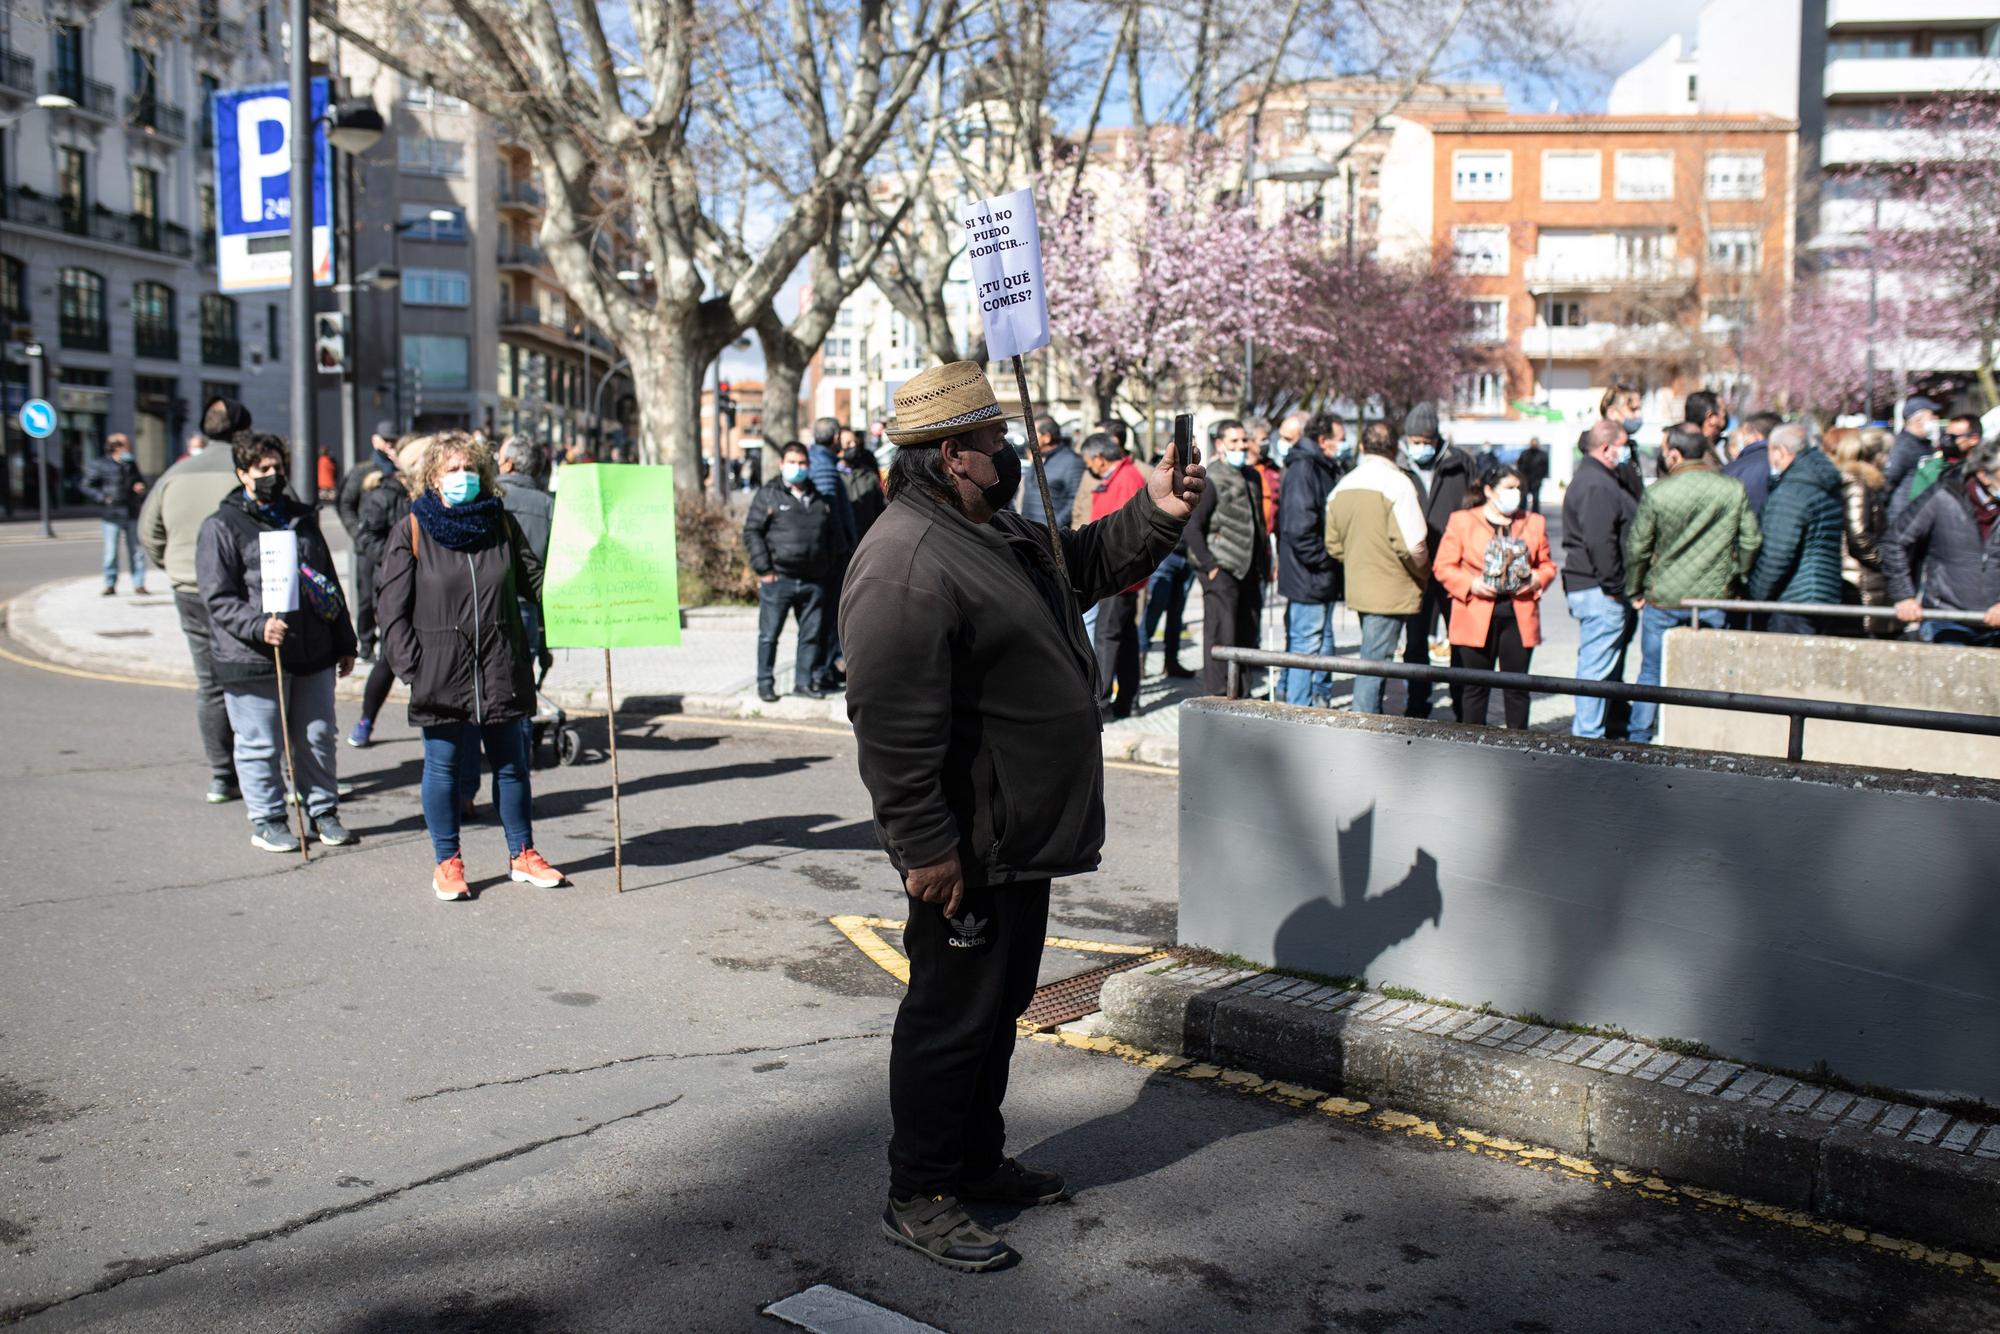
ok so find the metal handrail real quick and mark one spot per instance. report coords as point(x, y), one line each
point(1832, 609)
point(1797, 710)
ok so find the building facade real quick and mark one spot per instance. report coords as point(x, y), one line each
point(107, 217)
point(1596, 250)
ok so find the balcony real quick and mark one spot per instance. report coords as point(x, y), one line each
point(1584, 273)
point(225, 35)
point(523, 257)
point(83, 335)
point(526, 317)
point(156, 117)
point(521, 195)
point(1910, 76)
point(156, 340)
point(91, 97)
point(218, 351)
point(1907, 13)
point(1567, 342)
point(17, 75)
point(1847, 148)
point(1856, 217)
point(134, 231)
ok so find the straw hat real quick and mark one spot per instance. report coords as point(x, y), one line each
point(942, 401)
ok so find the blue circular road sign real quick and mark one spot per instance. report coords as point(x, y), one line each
point(38, 418)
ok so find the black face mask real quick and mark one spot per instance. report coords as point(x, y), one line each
point(268, 488)
point(1008, 465)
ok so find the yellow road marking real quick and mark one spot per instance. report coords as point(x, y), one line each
point(60, 670)
point(861, 932)
point(1535, 1157)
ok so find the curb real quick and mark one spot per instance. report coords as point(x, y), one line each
point(1914, 1171)
point(1160, 752)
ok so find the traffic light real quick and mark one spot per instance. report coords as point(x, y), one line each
point(725, 406)
point(330, 342)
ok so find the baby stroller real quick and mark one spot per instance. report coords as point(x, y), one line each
point(550, 725)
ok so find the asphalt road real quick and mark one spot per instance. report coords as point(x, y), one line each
point(241, 1094)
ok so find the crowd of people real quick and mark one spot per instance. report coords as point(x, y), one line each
point(449, 538)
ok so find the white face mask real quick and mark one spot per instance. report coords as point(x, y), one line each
point(1507, 500)
point(1236, 458)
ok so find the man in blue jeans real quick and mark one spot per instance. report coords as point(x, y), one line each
point(1375, 529)
point(1597, 511)
point(116, 484)
point(1308, 577)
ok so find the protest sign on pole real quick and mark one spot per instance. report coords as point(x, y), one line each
point(610, 581)
point(278, 573)
point(1003, 243)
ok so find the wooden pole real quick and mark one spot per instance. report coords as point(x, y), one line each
point(1041, 475)
point(285, 748)
point(611, 730)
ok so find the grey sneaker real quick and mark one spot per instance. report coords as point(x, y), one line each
point(935, 1227)
point(1014, 1182)
point(331, 832)
point(272, 836)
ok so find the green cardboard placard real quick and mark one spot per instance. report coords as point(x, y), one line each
point(611, 581)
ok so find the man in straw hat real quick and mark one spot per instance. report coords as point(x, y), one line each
point(973, 691)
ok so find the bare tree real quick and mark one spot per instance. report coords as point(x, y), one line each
point(720, 134)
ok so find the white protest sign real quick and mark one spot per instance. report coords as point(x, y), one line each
point(278, 562)
point(1004, 244)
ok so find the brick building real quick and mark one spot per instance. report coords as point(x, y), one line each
point(1597, 249)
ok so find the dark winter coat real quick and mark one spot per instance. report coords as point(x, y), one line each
point(828, 480)
point(353, 489)
point(973, 689)
point(1752, 468)
point(1065, 469)
point(229, 574)
point(1444, 494)
point(109, 482)
point(451, 624)
point(1936, 543)
point(1907, 451)
point(1306, 572)
point(533, 510)
point(790, 535)
point(1534, 466)
point(1804, 521)
point(1226, 531)
point(382, 508)
point(1597, 511)
point(864, 491)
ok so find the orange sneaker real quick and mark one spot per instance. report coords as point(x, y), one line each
point(530, 869)
point(449, 880)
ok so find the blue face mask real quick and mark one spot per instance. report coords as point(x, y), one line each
point(1344, 450)
point(796, 473)
point(1632, 425)
point(1422, 455)
point(1624, 456)
point(458, 487)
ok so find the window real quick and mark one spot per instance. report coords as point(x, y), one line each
point(430, 157)
point(69, 61)
point(214, 389)
point(1480, 250)
point(1732, 310)
point(73, 188)
point(272, 347)
point(436, 361)
point(205, 112)
point(1329, 120)
point(1735, 175)
point(13, 289)
point(1739, 250)
point(1487, 317)
point(1572, 174)
point(153, 329)
point(219, 344)
point(1644, 175)
point(420, 226)
point(1644, 252)
point(1564, 314)
point(146, 207)
point(1484, 175)
point(1482, 391)
point(204, 207)
point(423, 95)
point(437, 287)
point(1692, 85)
point(80, 309)
point(1874, 46)
point(144, 69)
point(1954, 45)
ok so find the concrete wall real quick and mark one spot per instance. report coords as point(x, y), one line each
point(1782, 913)
point(1899, 672)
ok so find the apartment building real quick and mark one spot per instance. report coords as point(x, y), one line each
point(1597, 249)
point(107, 217)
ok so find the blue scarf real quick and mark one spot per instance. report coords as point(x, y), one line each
point(460, 527)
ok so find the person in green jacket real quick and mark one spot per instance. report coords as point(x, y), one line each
point(1804, 524)
point(1694, 536)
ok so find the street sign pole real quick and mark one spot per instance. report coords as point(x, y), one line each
point(38, 376)
point(305, 482)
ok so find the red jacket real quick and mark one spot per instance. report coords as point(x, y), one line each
point(1109, 496)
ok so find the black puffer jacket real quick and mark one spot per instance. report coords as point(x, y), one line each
point(1935, 545)
point(229, 573)
point(451, 624)
point(790, 535)
point(109, 482)
point(1444, 496)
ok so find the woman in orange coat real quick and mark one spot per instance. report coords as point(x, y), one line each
point(1494, 562)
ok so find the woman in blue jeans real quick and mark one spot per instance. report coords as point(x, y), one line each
point(448, 603)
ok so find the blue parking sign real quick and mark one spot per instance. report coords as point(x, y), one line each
point(38, 418)
point(253, 188)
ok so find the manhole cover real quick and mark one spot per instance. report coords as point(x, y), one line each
point(1062, 1002)
point(124, 634)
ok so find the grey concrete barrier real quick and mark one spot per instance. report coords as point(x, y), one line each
point(1790, 915)
point(1861, 671)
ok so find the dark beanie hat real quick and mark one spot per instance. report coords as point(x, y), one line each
point(224, 418)
point(1421, 420)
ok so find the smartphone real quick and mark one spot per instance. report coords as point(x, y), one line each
point(1185, 450)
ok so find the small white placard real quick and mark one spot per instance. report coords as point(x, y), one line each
point(1003, 242)
point(278, 561)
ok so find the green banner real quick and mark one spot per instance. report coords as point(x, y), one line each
point(610, 581)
